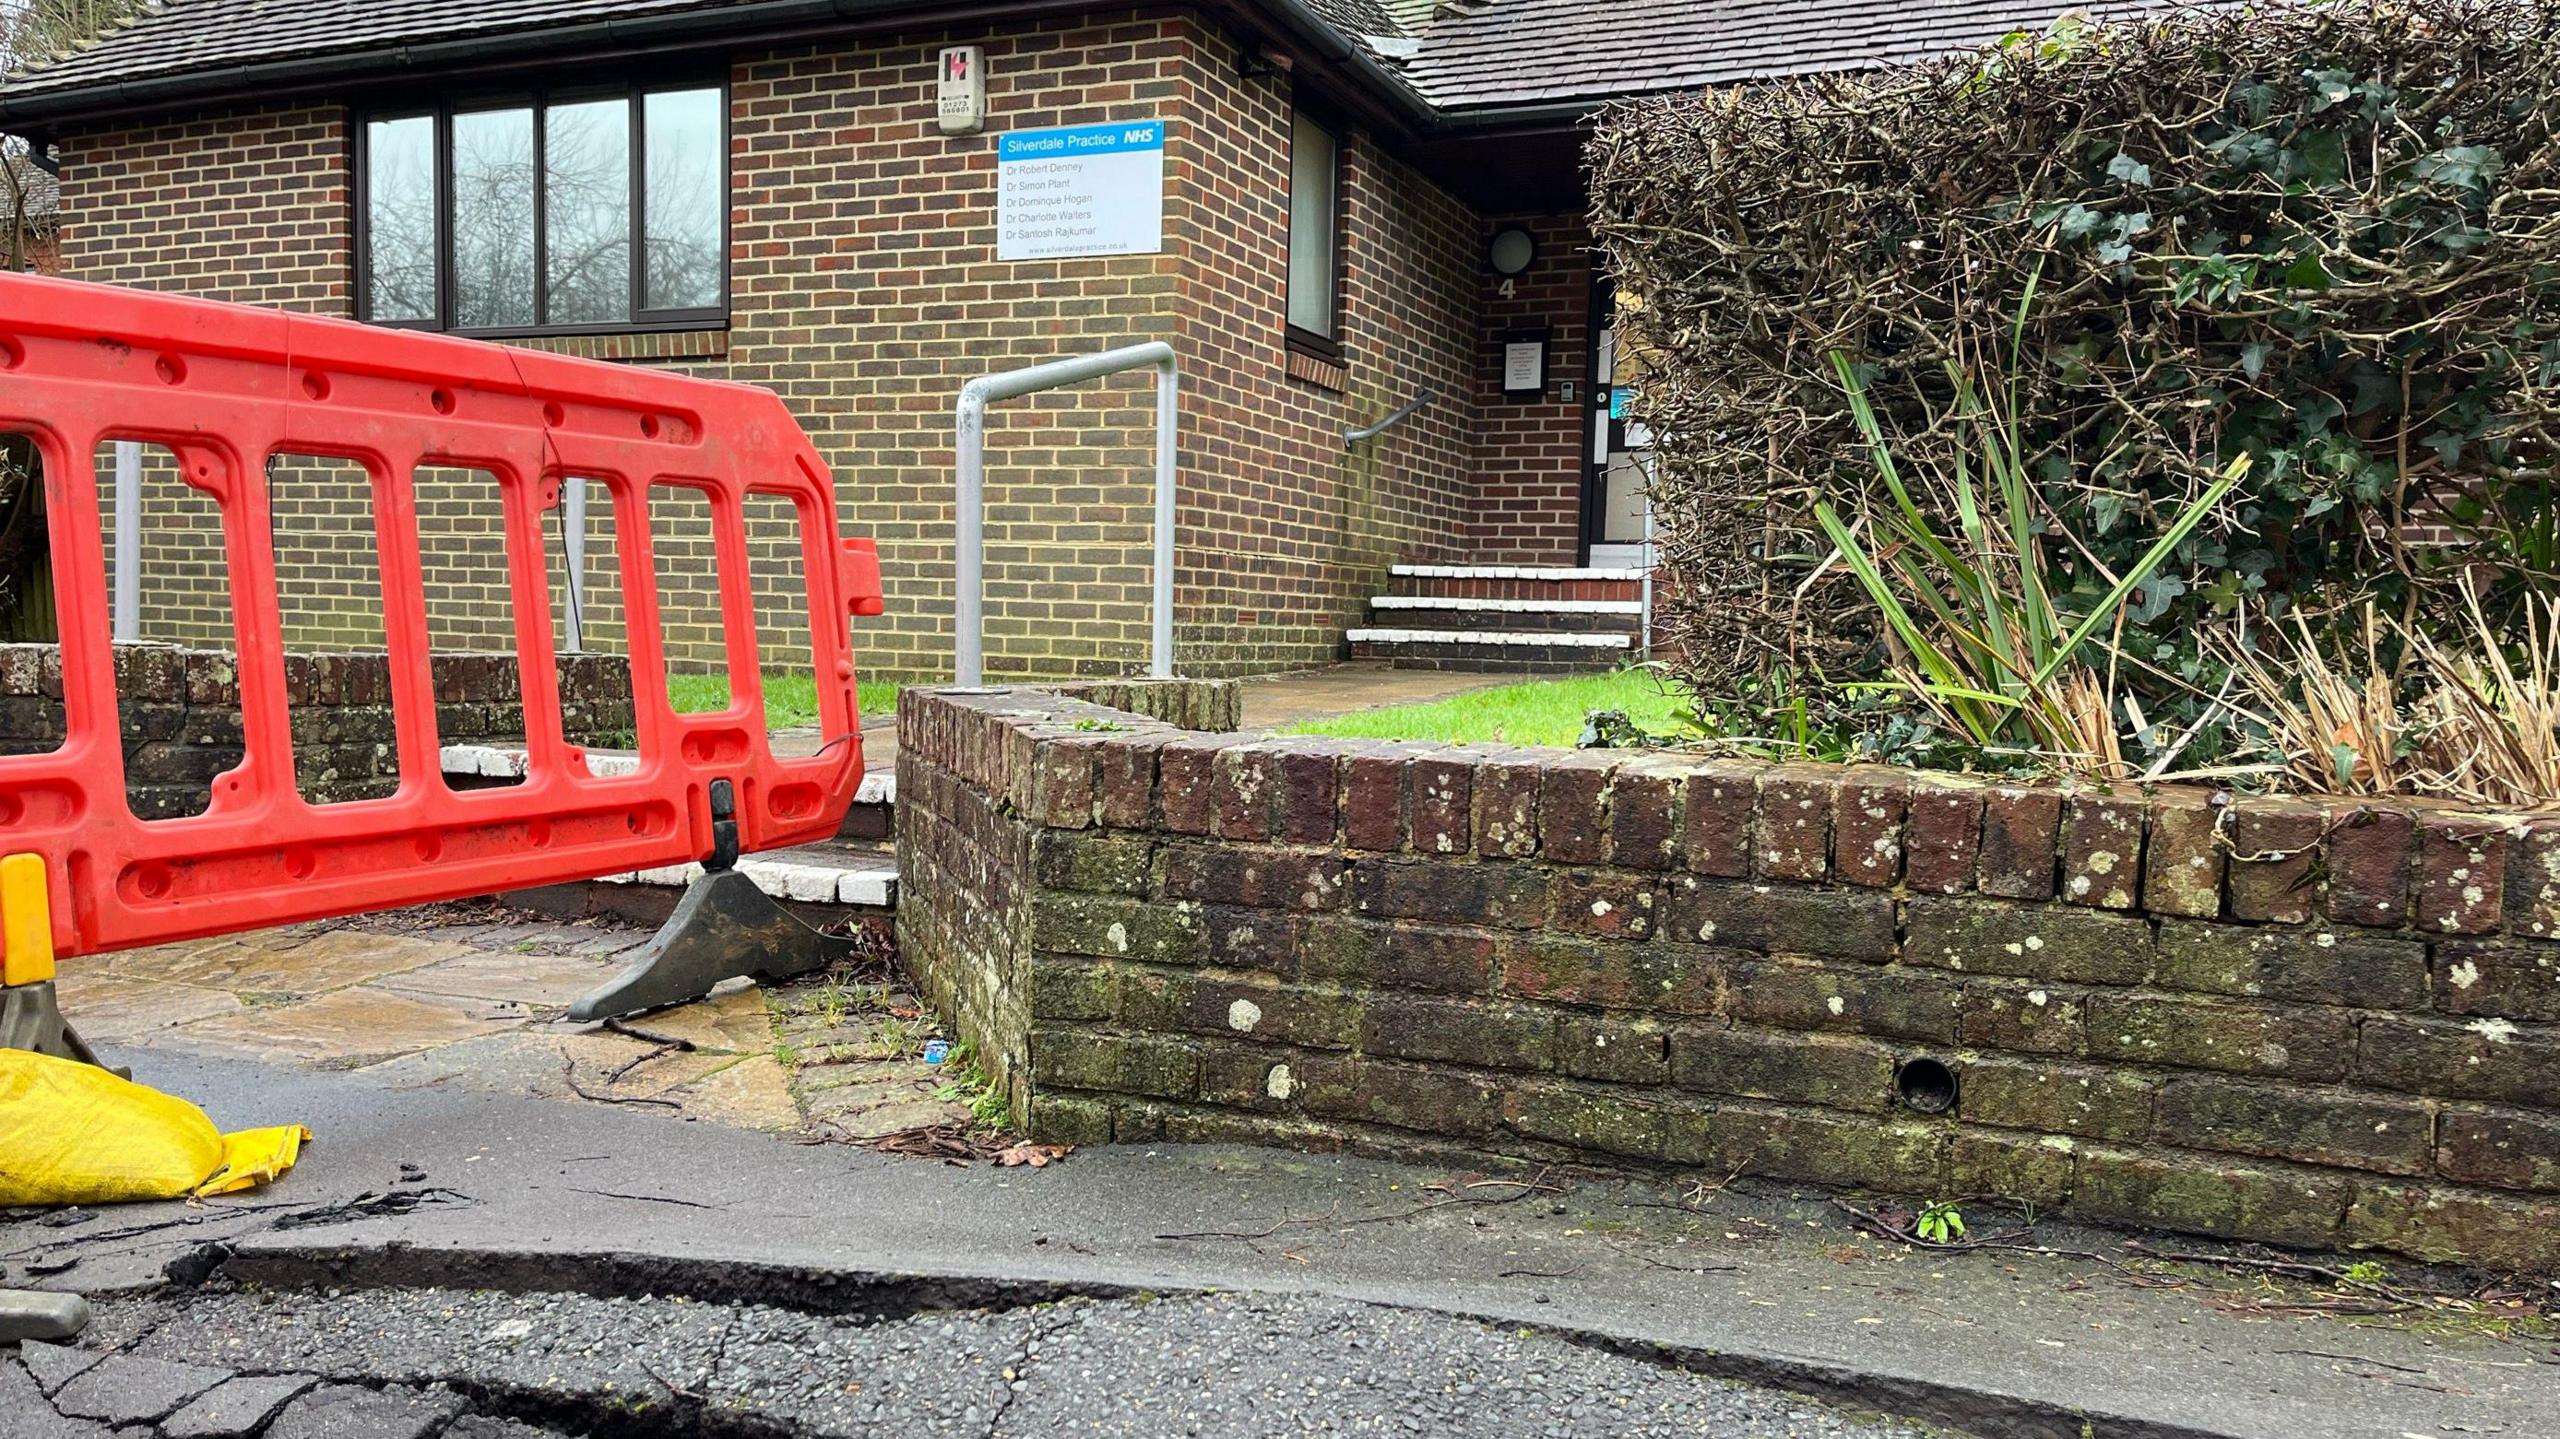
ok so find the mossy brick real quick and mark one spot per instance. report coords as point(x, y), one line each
point(1483, 1033)
point(1277, 1013)
point(1781, 919)
point(2031, 941)
point(2020, 1168)
point(1617, 974)
point(1866, 827)
point(2023, 1017)
point(1226, 1126)
point(1644, 814)
point(1125, 780)
point(2533, 879)
point(2090, 1101)
point(1114, 927)
point(1069, 1119)
point(2337, 1127)
point(1374, 781)
point(1062, 786)
point(2196, 1194)
point(2462, 875)
point(1451, 1104)
point(1573, 806)
point(2021, 836)
point(2313, 965)
point(2505, 981)
point(1504, 795)
point(2371, 855)
point(1792, 839)
point(1588, 1119)
point(1894, 1001)
point(1817, 1147)
point(2222, 1034)
point(1606, 903)
point(1407, 956)
point(1310, 795)
point(2275, 859)
point(1620, 1049)
point(1099, 863)
point(2490, 1231)
point(2102, 848)
point(2507, 1148)
point(2183, 855)
point(1255, 877)
point(1716, 818)
point(1442, 805)
point(1160, 1001)
point(1245, 788)
point(1834, 1071)
point(1075, 1058)
point(1255, 939)
point(1064, 987)
point(1260, 1077)
point(1184, 790)
point(1943, 830)
point(2487, 1058)
point(1503, 896)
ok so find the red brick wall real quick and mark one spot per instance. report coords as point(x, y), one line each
point(865, 291)
point(1529, 456)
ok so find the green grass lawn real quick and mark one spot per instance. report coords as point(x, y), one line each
point(790, 697)
point(1539, 712)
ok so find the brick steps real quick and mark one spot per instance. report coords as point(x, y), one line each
point(1499, 619)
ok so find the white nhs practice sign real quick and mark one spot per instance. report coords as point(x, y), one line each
point(1081, 190)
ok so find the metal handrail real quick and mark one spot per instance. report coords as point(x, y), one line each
point(1421, 401)
point(971, 518)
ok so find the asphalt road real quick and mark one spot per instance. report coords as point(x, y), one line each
point(1223, 1365)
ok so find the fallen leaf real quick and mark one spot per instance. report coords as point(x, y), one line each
point(1036, 1156)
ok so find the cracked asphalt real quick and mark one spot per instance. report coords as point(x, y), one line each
point(438, 1364)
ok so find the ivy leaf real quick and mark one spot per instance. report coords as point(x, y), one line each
point(2128, 169)
point(2323, 154)
point(2308, 273)
point(2253, 358)
point(2468, 166)
point(2079, 222)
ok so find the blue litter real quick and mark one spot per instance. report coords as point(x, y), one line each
point(936, 1050)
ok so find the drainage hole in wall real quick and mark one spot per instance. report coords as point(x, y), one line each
point(1925, 1086)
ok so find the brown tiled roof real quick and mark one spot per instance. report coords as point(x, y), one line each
point(172, 37)
point(1497, 53)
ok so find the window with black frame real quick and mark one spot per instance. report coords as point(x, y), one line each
point(550, 213)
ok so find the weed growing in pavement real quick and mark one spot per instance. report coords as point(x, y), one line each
point(1940, 1223)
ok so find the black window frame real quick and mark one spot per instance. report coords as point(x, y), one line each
point(1307, 342)
point(539, 99)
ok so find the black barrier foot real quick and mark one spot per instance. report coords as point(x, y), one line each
point(31, 1019)
point(724, 928)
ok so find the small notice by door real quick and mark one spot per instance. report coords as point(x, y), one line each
point(1081, 190)
point(1524, 366)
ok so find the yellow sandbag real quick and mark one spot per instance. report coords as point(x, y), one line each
point(75, 1134)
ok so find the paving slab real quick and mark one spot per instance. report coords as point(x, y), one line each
point(346, 1412)
point(506, 976)
point(1759, 1286)
point(345, 1028)
point(304, 959)
point(54, 1365)
point(24, 1414)
point(118, 1008)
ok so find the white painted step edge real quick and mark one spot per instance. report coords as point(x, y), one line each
point(879, 786)
point(1508, 607)
point(1512, 572)
point(1488, 638)
point(786, 879)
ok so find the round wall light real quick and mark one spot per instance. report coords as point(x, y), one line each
point(1512, 251)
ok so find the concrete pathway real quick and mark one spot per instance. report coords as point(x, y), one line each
point(1279, 701)
point(470, 996)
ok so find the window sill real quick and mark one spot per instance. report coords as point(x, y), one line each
point(1317, 370)
point(694, 344)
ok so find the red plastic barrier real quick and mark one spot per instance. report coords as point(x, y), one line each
point(226, 387)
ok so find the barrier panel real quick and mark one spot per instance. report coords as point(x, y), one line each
point(227, 389)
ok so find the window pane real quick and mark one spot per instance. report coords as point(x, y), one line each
point(493, 219)
point(587, 210)
point(688, 197)
point(400, 219)
point(1311, 238)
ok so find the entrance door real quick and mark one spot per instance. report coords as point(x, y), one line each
point(1617, 519)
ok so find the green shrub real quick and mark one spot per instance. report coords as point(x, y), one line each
point(2320, 238)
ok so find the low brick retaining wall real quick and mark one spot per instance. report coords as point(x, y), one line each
point(181, 714)
point(2309, 1024)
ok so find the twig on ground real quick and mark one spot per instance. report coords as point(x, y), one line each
point(1625, 1253)
point(569, 1074)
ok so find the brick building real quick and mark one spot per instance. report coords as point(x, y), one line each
point(1328, 208)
